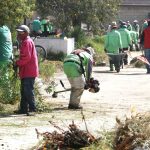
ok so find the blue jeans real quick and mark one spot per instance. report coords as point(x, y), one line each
point(147, 56)
point(27, 95)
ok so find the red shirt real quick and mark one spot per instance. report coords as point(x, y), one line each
point(28, 61)
point(147, 38)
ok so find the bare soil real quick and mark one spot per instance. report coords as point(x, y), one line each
point(120, 94)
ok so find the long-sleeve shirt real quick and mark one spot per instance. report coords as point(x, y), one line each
point(145, 38)
point(134, 37)
point(125, 37)
point(28, 61)
point(113, 42)
point(36, 25)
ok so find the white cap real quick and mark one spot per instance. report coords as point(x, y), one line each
point(91, 50)
point(135, 21)
point(114, 24)
point(23, 28)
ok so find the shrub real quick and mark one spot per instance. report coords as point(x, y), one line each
point(97, 42)
point(80, 37)
point(9, 87)
point(56, 56)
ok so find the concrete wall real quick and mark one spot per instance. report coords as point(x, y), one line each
point(56, 45)
point(136, 2)
point(134, 9)
point(134, 12)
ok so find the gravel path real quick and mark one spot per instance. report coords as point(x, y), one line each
point(120, 94)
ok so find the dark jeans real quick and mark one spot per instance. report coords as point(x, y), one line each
point(137, 48)
point(27, 95)
point(115, 60)
point(147, 56)
point(125, 56)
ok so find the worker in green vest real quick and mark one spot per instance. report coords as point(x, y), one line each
point(78, 69)
point(112, 46)
point(126, 41)
point(36, 26)
point(5, 54)
point(46, 27)
point(129, 26)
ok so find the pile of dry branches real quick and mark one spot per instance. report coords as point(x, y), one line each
point(73, 138)
point(133, 133)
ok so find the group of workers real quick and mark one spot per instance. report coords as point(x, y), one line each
point(27, 64)
point(77, 65)
point(41, 27)
point(120, 39)
point(44, 28)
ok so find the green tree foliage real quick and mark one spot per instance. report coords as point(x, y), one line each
point(13, 12)
point(71, 13)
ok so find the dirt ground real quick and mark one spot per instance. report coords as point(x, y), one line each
point(120, 94)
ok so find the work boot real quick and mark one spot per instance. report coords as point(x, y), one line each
point(111, 67)
point(118, 70)
point(31, 112)
point(20, 112)
point(75, 107)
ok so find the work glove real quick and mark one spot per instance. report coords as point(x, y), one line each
point(94, 85)
point(105, 50)
point(15, 68)
point(86, 86)
point(120, 50)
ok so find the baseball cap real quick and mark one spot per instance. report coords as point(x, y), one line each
point(90, 50)
point(124, 24)
point(23, 28)
point(135, 21)
point(114, 24)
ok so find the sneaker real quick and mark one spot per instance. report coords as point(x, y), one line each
point(31, 113)
point(75, 107)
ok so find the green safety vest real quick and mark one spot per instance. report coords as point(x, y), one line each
point(72, 64)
